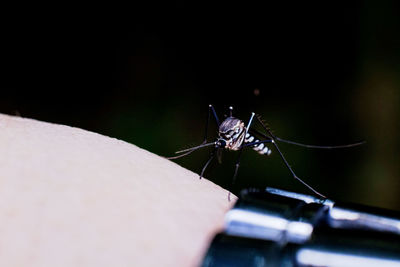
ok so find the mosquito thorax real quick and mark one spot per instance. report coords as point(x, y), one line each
point(231, 132)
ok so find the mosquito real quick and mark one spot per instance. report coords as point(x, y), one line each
point(235, 135)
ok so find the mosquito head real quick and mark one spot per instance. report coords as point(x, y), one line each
point(231, 133)
point(220, 143)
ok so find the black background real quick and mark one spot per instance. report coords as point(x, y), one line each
point(325, 74)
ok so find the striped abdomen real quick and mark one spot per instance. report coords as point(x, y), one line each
point(260, 148)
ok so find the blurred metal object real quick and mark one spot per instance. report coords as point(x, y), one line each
point(349, 215)
point(275, 227)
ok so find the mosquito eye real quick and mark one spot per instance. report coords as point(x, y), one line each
point(221, 143)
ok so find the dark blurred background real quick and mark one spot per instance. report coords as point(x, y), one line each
point(325, 74)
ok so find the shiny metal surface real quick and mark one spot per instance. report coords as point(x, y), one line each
point(275, 227)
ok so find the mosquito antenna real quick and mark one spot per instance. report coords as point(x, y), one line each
point(285, 161)
point(316, 146)
point(195, 147)
point(182, 155)
point(189, 150)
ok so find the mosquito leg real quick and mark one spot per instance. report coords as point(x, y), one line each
point(210, 107)
point(241, 149)
point(293, 174)
point(212, 155)
point(265, 127)
point(249, 123)
point(219, 155)
point(230, 111)
point(237, 165)
point(285, 161)
point(210, 110)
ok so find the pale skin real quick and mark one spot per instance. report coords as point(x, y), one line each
point(69, 197)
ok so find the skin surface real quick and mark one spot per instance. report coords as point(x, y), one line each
point(69, 197)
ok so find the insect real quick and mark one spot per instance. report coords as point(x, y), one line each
point(235, 135)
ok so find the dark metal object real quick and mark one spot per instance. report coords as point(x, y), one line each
point(281, 228)
point(234, 135)
point(350, 216)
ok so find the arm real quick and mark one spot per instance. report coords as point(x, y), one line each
point(70, 197)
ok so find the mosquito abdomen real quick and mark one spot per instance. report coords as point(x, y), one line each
point(260, 148)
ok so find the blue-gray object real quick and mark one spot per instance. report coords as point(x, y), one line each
point(274, 227)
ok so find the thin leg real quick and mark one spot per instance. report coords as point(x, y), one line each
point(219, 155)
point(249, 123)
point(212, 155)
point(294, 175)
point(210, 110)
point(230, 111)
point(237, 165)
point(276, 138)
point(265, 127)
point(285, 161)
point(214, 113)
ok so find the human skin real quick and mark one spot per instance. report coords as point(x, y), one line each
point(69, 197)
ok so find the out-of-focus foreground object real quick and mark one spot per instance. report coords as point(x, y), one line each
point(70, 197)
point(274, 227)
